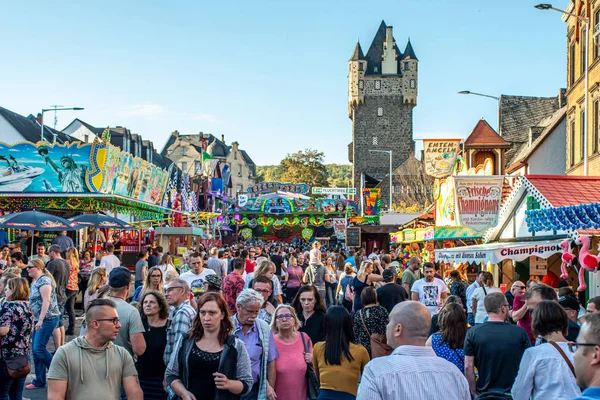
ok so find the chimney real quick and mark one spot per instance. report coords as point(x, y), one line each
point(389, 36)
point(562, 97)
point(223, 139)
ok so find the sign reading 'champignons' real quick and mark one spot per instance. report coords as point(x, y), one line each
point(478, 200)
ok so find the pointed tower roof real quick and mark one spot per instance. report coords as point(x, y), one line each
point(358, 53)
point(409, 52)
point(375, 53)
point(484, 136)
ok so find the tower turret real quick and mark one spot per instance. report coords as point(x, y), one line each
point(357, 65)
point(410, 71)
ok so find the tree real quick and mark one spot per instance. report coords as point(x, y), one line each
point(305, 166)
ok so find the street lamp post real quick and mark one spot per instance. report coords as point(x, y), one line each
point(388, 152)
point(489, 97)
point(586, 21)
point(55, 109)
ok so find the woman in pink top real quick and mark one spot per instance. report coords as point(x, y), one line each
point(292, 360)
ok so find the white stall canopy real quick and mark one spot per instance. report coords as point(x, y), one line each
point(496, 252)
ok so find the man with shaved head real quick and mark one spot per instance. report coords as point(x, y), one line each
point(412, 371)
point(92, 365)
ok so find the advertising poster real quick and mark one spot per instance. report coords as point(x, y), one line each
point(445, 207)
point(339, 227)
point(478, 201)
point(440, 156)
point(372, 201)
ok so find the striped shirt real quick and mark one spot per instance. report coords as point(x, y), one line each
point(415, 373)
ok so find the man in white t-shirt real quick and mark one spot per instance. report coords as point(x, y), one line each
point(197, 270)
point(110, 261)
point(430, 291)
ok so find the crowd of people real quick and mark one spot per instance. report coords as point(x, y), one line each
point(288, 322)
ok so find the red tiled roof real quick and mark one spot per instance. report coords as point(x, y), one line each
point(567, 190)
point(484, 135)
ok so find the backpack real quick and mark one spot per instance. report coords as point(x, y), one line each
point(349, 292)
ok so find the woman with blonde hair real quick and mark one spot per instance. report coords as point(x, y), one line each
point(98, 278)
point(345, 287)
point(166, 265)
point(267, 269)
point(154, 281)
point(363, 279)
point(72, 257)
point(46, 313)
point(295, 352)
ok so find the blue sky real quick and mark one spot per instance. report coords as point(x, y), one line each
point(271, 75)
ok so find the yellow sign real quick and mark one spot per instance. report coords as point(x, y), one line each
point(440, 156)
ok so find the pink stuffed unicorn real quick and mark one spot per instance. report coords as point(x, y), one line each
point(587, 261)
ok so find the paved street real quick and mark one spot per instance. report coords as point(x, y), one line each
point(42, 394)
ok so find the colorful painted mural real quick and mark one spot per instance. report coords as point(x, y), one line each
point(79, 168)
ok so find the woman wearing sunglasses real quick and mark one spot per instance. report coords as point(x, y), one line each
point(292, 360)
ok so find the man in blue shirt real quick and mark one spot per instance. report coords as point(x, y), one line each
point(63, 241)
point(587, 358)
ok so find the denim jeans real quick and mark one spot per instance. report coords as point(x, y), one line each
point(70, 308)
point(470, 319)
point(61, 308)
point(41, 356)
point(10, 389)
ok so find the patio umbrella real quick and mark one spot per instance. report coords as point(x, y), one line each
point(37, 221)
point(100, 221)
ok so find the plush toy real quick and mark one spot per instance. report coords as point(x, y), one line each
point(567, 259)
point(587, 261)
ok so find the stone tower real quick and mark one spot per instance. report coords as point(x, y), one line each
point(382, 92)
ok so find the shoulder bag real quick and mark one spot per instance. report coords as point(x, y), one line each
point(16, 367)
point(379, 346)
point(312, 382)
point(564, 356)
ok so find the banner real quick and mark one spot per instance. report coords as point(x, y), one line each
point(372, 201)
point(333, 190)
point(496, 252)
point(478, 200)
point(440, 156)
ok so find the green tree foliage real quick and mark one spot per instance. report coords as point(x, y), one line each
point(306, 167)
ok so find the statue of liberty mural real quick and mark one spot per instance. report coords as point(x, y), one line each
point(70, 176)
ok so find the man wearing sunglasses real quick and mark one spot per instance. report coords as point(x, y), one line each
point(92, 365)
point(587, 358)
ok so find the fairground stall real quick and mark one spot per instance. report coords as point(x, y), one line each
point(284, 212)
point(535, 220)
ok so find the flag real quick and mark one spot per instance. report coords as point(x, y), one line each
point(206, 156)
point(171, 188)
point(185, 201)
point(194, 202)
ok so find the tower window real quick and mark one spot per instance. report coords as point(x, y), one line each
point(377, 84)
point(361, 84)
point(380, 111)
point(360, 66)
point(375, 141)
point(412, 83)
point(406, 65)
